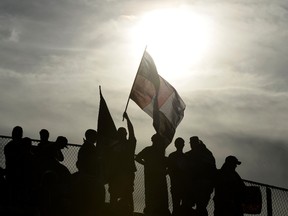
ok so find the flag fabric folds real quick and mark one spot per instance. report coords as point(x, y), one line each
point(157, 98)
point(106, 138)
point(106, 128)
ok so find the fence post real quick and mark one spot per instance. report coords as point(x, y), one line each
point(269, 201)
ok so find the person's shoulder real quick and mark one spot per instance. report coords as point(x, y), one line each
point(146, 149)
point(132, 140)
point(9, 146)
point(86, 145)
point(205, 150)
point(210, 154)
point(172, 154)
point(188, 153)
point(236, 174)
point(84, 148)
point(131, 137)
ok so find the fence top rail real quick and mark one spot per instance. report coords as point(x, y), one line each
point(266, 185)
point(36, 140)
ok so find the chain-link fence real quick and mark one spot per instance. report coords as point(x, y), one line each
point(274, 199)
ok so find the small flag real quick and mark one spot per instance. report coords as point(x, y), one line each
point(157, 98)
point(106, 128)
point(106, 138)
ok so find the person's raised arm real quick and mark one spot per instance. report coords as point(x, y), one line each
point(129, 125)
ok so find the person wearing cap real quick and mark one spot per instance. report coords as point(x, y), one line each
point(200, 171)
point(229, 189)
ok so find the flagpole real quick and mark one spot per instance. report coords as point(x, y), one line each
point(134, 81)
point(99, 104)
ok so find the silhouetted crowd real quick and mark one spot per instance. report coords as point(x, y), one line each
point(35, 182)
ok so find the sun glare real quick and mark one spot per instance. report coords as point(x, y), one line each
point(176, 38)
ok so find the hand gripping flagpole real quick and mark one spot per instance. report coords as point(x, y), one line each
point(134, 81)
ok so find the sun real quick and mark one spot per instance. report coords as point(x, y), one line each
point(176, 38)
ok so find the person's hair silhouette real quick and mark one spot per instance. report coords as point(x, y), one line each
point(44, 135)
point(91, 135)
point(17, 133)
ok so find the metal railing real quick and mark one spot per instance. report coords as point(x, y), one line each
point(274, 199)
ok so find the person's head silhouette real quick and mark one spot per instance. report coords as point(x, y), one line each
point(27, 143)
point(91, 135)
point(44, 135)
point(231, 162)
point(158, 142)
point(194, 142)
point(179, 143)
point(156, 138)
point(121, 133)
point(17, 133)
point(61, 142)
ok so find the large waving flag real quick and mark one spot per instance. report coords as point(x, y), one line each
point(157, 98)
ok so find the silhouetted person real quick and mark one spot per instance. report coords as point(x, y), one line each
point(26, 171)
point(47, 193)
point(53, 178)
point(3, 188)
point(88, 155)
point(54, 188)
point(122, 170)
point(176, 171)
point(13, 151)
point(42, 147)
point(155, 170)
point(229, 189)
point(44, 138)
point(60, 143)
point(53, 196)
point(87, 187)
point(53, 163)
point(48, 154)
point(45, 148)
point(201, 168)
point(42, 155)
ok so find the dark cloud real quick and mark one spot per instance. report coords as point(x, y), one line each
point(6, 33)
point(47, 29)
point(43, 10)
point(62, 10)
point(20, 60)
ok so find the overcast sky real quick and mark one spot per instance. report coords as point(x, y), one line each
point(227, 60)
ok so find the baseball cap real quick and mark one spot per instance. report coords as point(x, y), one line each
point(232, 160)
